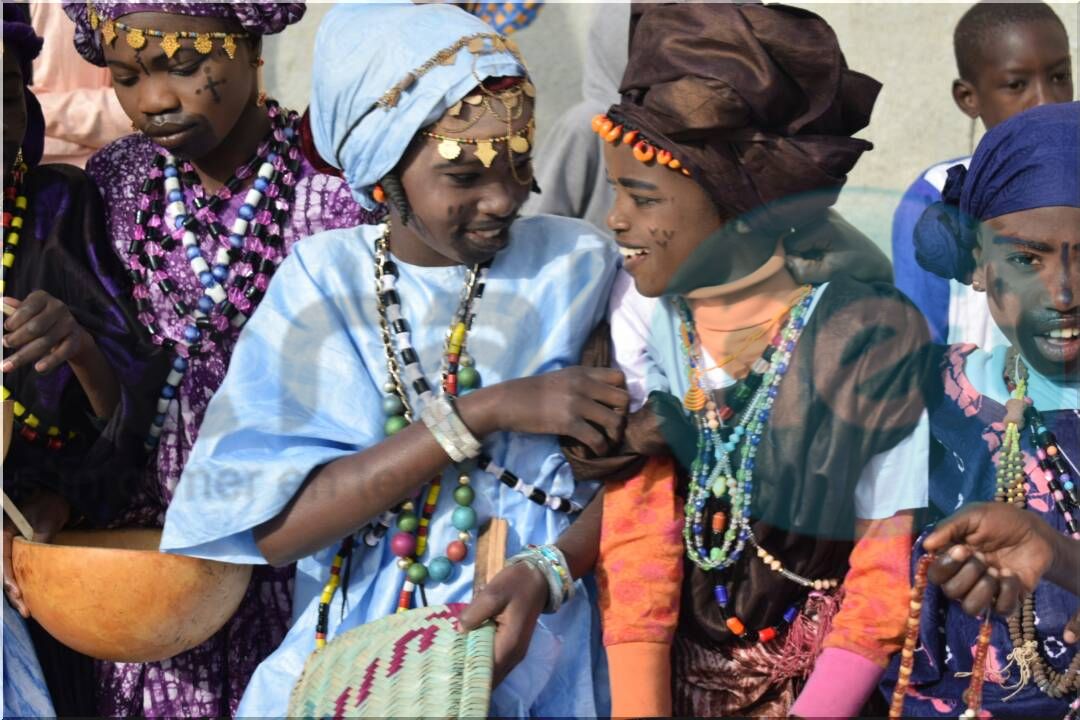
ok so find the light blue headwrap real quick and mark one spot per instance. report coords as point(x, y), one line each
point(362, 52)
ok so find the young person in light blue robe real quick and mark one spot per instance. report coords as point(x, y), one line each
point(294, 453)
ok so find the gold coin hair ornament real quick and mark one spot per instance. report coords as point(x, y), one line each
point(168, 41)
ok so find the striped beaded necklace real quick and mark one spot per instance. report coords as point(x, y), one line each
point(246, 257)
point(16, 204)
point(458, 373)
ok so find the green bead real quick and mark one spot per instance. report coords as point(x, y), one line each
point(391, 405)
point(464, 495)
point(407, 522)
point(417, 573)
point(468, 378)
point(719, 488)
point(395, 424)
point(464, 518)
point(716, 554)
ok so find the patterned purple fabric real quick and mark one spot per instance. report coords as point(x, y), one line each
point(208, 680)
point(257, 18)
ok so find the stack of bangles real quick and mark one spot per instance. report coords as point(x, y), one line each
point(442, 419)
point(551, 563)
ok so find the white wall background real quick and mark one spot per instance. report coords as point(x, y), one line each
point(908, 47)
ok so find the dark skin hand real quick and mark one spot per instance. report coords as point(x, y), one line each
point(47, 513)
point(991, 554)
point(515, 597)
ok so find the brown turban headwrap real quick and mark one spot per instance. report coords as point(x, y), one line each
point(757, 101)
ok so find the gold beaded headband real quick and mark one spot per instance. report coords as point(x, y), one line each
point(644, 151)
point(519, 142)
point(170, 41)
point(478, 44)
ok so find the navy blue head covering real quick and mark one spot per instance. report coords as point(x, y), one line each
point(1031, 160)
point(20, 38)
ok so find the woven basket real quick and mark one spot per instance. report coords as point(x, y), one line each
point(412, 664)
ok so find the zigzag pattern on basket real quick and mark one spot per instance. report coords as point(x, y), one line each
point(416, 663)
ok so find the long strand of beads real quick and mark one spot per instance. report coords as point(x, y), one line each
point(712, 480)
point(323, 622)
point(249, 253)
point(973, 695)
point(1020, 414)
point(911, 637)
point(16, 204)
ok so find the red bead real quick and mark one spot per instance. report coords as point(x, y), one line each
point(28, 434)
point(403, 544)
point(55, 443)
point(767, 634)
point(726, 413)
point(456, 551)
point(451, 384)
point(7, 219)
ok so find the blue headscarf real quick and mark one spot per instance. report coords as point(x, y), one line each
point(1031, 160)
point(377, 79)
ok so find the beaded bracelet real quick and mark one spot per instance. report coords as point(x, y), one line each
point(551, 563)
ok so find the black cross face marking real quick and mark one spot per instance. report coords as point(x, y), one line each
point(211, 86)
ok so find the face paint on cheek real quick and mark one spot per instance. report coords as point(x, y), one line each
point(211, 87)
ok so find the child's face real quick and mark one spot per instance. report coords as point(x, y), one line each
point(14, 109)
point(462, 210)
point(1023, 66)
point(191, 102)
point(659, 217)
point(1029, 265)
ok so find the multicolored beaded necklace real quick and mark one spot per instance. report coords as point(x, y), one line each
point(1011, 487)
point(717, 525)
point(15, 206)
point(458, 374)
point(247, 253)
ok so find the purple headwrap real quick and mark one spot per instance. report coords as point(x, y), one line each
point(20, 38)
point(257, 18)
point(1031, 160)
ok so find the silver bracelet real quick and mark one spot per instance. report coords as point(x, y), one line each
point(555, 571)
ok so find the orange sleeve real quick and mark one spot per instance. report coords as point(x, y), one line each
point(873, 615)
point(639, 572)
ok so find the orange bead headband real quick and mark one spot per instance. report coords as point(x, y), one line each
point(644, 152)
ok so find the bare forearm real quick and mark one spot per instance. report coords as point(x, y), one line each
point(346, 494)
point(580, 543)
point(97, 379)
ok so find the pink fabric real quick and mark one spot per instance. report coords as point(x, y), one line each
point(839, 685)
point(81, 111)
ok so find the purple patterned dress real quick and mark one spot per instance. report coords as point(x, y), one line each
point(207, 680)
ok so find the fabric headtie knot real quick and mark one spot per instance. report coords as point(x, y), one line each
point(954, 185)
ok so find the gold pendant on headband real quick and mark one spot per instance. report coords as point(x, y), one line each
point(170, 43)
point(474, 99)
point(519, 144)
point(229, 45)
point(108, 32)
point(136, 39)
point(203, 43)
point(528, 88)
point(476, 45)
point(95, 21)
point(450, 149)
point(485, 152)
point(455, 110)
